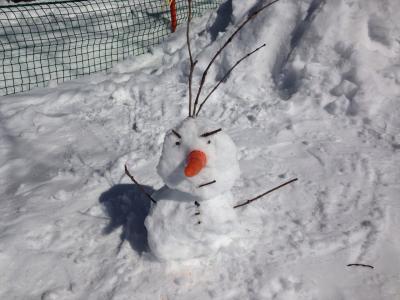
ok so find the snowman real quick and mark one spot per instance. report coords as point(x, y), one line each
point(194, 214)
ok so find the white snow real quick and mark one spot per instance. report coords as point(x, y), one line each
point(320, 103)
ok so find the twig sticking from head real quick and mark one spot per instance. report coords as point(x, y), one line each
point(192, 64)
point(139, 185)
point(360, 265)
point(250, 17)
point(226, 76)
point(263, 194)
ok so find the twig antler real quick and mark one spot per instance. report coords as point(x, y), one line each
point(250, 17)
point(139, 185)
point(226, 76)
point(192, 63)
point(263, 194)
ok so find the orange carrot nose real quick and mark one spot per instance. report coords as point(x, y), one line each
point(196, 161)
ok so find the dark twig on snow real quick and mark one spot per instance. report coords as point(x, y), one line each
point(360, 265)
point(208, 183)
point(226, 76)
point(211, 132)
point(263, 194)
point(177, 134)
point(139, 185)
point(192, 63)
point(203, 78)
point(197, 213)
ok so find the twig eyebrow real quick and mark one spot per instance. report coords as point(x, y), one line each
point(211, 132)
point(177, 134)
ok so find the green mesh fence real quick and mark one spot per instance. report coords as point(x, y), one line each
point(58, 41)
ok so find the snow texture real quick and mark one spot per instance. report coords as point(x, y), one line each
point(320, 102)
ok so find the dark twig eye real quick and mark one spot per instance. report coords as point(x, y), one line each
point(177, 143)
point(209, 142)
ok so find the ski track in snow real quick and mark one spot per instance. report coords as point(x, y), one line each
point(319, 103)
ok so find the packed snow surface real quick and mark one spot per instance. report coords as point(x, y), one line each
point(320, 102)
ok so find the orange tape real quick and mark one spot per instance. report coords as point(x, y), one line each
point(172, 6)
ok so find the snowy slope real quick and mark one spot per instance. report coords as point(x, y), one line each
point(320, 102)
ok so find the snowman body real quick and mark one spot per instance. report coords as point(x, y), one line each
point(178, 229)
point(194, 214)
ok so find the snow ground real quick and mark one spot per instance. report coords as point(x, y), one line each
point(320, 102)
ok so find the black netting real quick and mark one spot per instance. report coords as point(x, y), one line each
point(57, 41)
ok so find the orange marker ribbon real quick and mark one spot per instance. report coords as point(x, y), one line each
point(172, 7)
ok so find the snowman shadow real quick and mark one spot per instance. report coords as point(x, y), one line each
point(127, 207)
point(176, 176)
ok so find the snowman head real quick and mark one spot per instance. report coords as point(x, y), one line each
point(198, 158)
